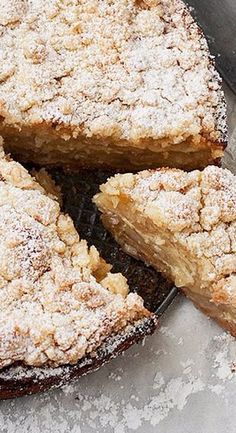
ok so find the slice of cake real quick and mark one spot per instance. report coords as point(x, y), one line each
point(58, 301)
point(183, 224)
point(122, 83)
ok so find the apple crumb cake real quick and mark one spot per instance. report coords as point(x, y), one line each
point(59, 302)
point(183, 224)
point(128, 84)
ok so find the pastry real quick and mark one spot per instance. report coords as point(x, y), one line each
point(59, 302)
point(127, 84)
point(183, 224)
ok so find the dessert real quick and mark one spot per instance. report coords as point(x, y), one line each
point(59, 302)
point(183, 224)
point(127, 84)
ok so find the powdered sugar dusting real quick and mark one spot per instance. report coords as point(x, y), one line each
point(123, 69)
point(191, 215)
point(113, 402)
point(54, 310)
point(225, 357)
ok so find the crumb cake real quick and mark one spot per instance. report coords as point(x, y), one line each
point(59, 302)
point(127, 84)
point(183, 224)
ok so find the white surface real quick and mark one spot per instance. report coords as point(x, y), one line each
point(180, 381)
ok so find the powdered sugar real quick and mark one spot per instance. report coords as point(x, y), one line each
point(177, 377)
point(124, 69)
point(225, 356)
point(53, 309)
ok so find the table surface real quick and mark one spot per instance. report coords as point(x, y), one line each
point(181, 380)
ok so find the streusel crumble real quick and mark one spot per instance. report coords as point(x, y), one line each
point(121, 83)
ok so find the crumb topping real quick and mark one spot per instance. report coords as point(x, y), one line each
point(55, 306)
point(198, 209)
point(125, 69)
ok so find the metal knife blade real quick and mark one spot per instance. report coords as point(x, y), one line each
point(217, 18)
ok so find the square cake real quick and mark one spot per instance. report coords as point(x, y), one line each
point(126, 84)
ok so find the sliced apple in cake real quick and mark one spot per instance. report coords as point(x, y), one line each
point(183, 224)
point(121, 83)
point(58, 301)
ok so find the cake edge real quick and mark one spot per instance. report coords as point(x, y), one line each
point(34, 380)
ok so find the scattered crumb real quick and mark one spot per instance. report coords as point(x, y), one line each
point(222, 362)
point(158, 380)
point(233, 367)
point(217, 389)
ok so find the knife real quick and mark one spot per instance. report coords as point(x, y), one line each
point(217, 18)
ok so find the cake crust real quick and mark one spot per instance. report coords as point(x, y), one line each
point(184, 224)
point(121, 84)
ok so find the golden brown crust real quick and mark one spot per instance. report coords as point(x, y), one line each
point(211, 309)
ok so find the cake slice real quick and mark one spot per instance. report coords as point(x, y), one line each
point(127, 84)
point(183, 224)
point(59, 303)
